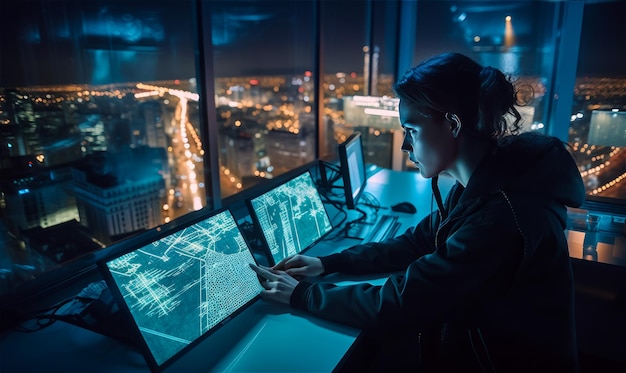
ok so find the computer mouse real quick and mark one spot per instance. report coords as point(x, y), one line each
point(406, 207)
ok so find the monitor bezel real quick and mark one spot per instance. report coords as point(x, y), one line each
point(142, 240)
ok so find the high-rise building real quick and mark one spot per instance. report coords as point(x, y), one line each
point(115, 202)
point(42, 128)
point(43, 200)
point(287, 150)
point(153, 125)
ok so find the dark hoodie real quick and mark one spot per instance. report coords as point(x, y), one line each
point(493, 275)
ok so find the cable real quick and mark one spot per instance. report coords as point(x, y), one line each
point(370, 200)
point(352, 222)
point(327, 182)
point(45, 317)
point(75, 309)
point(331, 166)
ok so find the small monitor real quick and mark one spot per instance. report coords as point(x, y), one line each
point(183, 284)
point(290, 216)
point(352, 165)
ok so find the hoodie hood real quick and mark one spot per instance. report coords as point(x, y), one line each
point(531, 163)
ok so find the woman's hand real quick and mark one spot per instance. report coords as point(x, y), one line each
point(278, 285)
point(299, 266)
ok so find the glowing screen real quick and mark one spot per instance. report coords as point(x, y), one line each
point(607, 128)
point(352, 168)
point(291, 216)
point(181, 286)
point(356, 168)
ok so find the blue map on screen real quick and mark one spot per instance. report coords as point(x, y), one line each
point(291, 216)
point(181, 286)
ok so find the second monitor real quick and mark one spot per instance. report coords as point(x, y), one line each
point(352, 166)
point(291, 217)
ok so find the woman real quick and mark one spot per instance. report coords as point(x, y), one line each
point(482, 284)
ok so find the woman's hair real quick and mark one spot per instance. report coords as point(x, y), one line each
point(454, 83)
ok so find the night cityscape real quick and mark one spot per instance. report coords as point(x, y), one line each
point(197, 185)
point(107, 162)
point(85, 165)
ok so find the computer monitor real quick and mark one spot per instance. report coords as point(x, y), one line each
point(352, 168)
point(291, 217)
point(181, 285)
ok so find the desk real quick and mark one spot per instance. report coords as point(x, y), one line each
point(293, 340)
point(299, 342)
point(599, 267)
point(602, 247)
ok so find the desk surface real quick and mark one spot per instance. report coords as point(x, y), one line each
point(607, 244)
point(601, 247)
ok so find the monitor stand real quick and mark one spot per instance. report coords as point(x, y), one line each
point(359, 229)
point(95, 309)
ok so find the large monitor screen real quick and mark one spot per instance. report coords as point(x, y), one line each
point(291, 217)
point(607, 128)
point(352, 165)
point(184, 284)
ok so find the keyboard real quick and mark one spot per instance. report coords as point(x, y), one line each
point(386, 226)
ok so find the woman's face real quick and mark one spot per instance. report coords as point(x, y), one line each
point(428, 140)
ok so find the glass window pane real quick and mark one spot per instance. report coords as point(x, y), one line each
point(263, 66)
point(514, 36)
point(598, 123)
point(358, 58)
point(99, 128)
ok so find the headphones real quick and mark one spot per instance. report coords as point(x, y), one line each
point(456, 123)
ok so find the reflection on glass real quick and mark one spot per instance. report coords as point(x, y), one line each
point(592, 222)
point(99, 129)
point(358, 58)
point(264, 58)
point(590, 246)
point(515, 37)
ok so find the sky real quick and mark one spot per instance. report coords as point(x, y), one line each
point(116, 41)
point(603, 29)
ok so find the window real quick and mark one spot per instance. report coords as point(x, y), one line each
point(597, 129)
point(264, 58)
point(358, 59)
point(104, 133)
point(516, 37)
point(98, 131)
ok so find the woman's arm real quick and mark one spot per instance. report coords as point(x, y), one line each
point(392, 255)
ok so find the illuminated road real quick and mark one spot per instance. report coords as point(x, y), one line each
point(187, 153)
point(607, 175)
point(611, 180)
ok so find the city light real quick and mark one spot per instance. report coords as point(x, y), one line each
point(381, 112)
point(509, 37)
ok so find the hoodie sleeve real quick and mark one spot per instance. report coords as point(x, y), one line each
point(385, 257)
point(435, 286)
